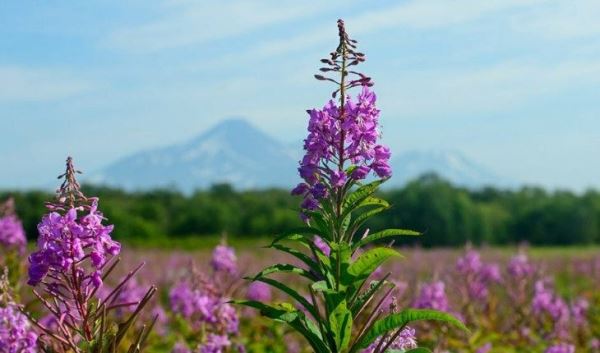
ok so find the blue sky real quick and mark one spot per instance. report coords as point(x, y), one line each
point(512, 84)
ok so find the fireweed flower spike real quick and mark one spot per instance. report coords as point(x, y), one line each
point(12, 234)
point(75, 254)
point(340, 306)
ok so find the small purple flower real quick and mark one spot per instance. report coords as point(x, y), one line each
point(519, 266)
point(360, 172)
point(16, 333)
point(338, 178)
point(561, 348)
point(406, 340)
point(62, 240)
point(215, 344)
point(485, 348)
point(432, 296)
point(321, 245)
point(224, 259)
point(12, 234)
point(579, 309)
point(181, 347)
point(259, 291)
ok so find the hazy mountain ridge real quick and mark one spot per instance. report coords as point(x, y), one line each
point(236, 152)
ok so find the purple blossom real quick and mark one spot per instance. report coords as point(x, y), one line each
point(561, 348)
point(202, 305)
point(406, 340)
point(321, 245)
point(519, 266)
point(181, 347)
point(215, 344)
point(12, 234)
point(259, 291)
point(579, 310)
point(66, 240)
point(16, 333)
point(477, 275)
point(224, 259)
point(432, 296)
point(349, 136)
point(485, 348)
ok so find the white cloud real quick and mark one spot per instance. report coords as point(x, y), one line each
point(560, 19)
point(30, 85)
point(195, 23)
point(416, 14)
point(493, 88)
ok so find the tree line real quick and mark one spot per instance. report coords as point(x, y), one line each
point(447, 215)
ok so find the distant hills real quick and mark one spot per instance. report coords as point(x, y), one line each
point(236, 152)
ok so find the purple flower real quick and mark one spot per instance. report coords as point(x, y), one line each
point(338, 178)
point(432, 296)
point(406, 340)
point(12, 234)
point(16, 333)
point(348, 137)
point(360, 172)
point(259, 291)
point(485, 348)
point(215, 344)
point(321, 245)
point(519, 266)
point(561, 348)
point(224, 259)
point(62, 240)
point(477, 275)
point(579, 309)
point(181, 347)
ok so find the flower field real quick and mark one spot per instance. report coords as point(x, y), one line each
point(513, 300)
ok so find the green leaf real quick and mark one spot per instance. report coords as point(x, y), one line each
point(296, 234)
point(294, 318)
point(363, 217)
point(292, 293)
point(384, 234)
point(355, 198)
point(340, 320)
point(365, 296)
point(401, 319)
point(370, 261)
point(278, 268)
point(308, 261)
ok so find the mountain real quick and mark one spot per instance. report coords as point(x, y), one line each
point(233, 151)
point(451, 165)
point(236, 152)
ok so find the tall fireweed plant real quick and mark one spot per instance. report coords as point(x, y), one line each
point(75, 255)
point(344, 311)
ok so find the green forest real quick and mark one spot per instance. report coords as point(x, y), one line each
point(446, 214)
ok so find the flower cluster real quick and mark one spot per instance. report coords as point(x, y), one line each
point(404, 341)
point(66, 240)
point(546, 302)
point(338, 135)
point(478, 276)
point(561, 348)
point(519, 266)
point(224, 259)
point(432, 296)
point(199, 300)
point(16, 332)
point(259, 291)
point(12, 234)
